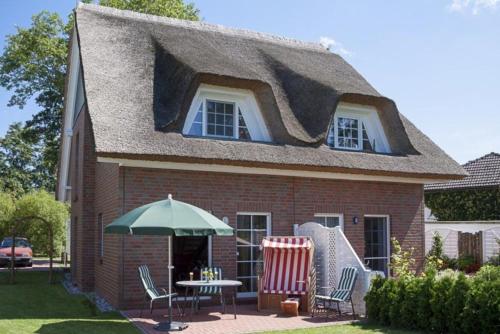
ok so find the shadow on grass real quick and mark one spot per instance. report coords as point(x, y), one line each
point(87, 327)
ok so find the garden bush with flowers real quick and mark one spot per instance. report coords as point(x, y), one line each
point(439, 301)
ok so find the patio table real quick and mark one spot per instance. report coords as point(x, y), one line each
point(196, 285)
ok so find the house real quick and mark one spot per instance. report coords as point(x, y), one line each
point(475, 197)
point(263, 131)
point(468, 210)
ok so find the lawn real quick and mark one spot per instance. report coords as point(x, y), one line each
point(356, 328)
point(33, 306)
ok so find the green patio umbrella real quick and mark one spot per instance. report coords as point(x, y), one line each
point(169, 217)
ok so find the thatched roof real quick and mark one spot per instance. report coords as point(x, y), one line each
point(141, 72)
point(484, 172)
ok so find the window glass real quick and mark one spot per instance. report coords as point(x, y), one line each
point(376, 243)
point(250, 230)
point(197, 126)
point(220, 119)
point(348, 133)
point(328, 221)
point(330, 140)
point(242, 127)
point(367, 146)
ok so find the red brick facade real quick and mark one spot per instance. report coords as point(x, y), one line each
point(111, 190)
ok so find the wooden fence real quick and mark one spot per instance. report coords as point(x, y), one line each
point(471, 244)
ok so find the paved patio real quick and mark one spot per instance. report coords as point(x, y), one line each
point(209, 320)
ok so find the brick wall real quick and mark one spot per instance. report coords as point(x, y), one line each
point(83, 162)
point(108, 267)
point(289, 200)
point(110, 190)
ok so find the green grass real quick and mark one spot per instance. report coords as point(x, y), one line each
point(33, 306)
point(356, 328)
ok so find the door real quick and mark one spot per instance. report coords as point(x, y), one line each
point(251, 228)
point(190, 254)
point(377, 243)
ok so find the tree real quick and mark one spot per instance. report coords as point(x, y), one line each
point(18, 161)
point(37, 215)
point(10, 225)
point(170, 8)
point(33, 66)
point(46, 220)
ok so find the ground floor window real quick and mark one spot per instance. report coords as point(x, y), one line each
point(251, 228)
point(377, 243)
point(329, 219)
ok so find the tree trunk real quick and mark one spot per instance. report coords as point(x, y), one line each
point(13, 258)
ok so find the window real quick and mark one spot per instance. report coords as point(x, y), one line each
point(225, 113)
point(377, 243)
point(100, 229)
point(251, 228)
point(357, 128)
point(329, 219)
point(347, 133)
point(220, 119)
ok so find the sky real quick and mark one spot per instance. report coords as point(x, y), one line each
point(439, 60)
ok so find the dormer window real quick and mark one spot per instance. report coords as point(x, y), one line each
point(357, 128)
point(225, 113)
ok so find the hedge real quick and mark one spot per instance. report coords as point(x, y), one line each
point(445, 302)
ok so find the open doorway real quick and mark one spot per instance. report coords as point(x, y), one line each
point(190, 254)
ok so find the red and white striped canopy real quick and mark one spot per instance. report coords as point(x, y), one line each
point(287, 264)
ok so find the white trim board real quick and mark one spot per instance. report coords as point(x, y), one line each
point(69, 106)
point(217, 168)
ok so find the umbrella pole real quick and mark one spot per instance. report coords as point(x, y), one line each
point(170, 325)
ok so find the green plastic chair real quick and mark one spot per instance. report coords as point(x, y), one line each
point(342, 294)
point(151, 292)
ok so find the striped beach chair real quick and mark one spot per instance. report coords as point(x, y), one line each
point(342, 294)
point(151, 293)
point(287, 270)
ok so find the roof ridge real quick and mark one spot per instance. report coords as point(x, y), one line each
point(199, 25)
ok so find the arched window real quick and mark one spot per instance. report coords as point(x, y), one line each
point(222, 112)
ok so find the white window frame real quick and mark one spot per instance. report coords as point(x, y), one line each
point(359, 129)
point(366, 115)
point(243, 100)
point(340, 216)
point(268, 233)
point(388, 236)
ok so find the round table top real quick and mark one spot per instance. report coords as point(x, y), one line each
point(221, 283)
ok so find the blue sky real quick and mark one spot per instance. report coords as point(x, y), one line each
point(438, 59)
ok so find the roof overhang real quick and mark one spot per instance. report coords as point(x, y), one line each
point(218, 167)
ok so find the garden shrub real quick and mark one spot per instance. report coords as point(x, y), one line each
point(456, 303)
point(482, 306)
point(373, 298)
point(441, 290)
point(465, 262)
point(439, 302)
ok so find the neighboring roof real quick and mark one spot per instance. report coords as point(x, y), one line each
point(141, 72)
point(483, 172)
